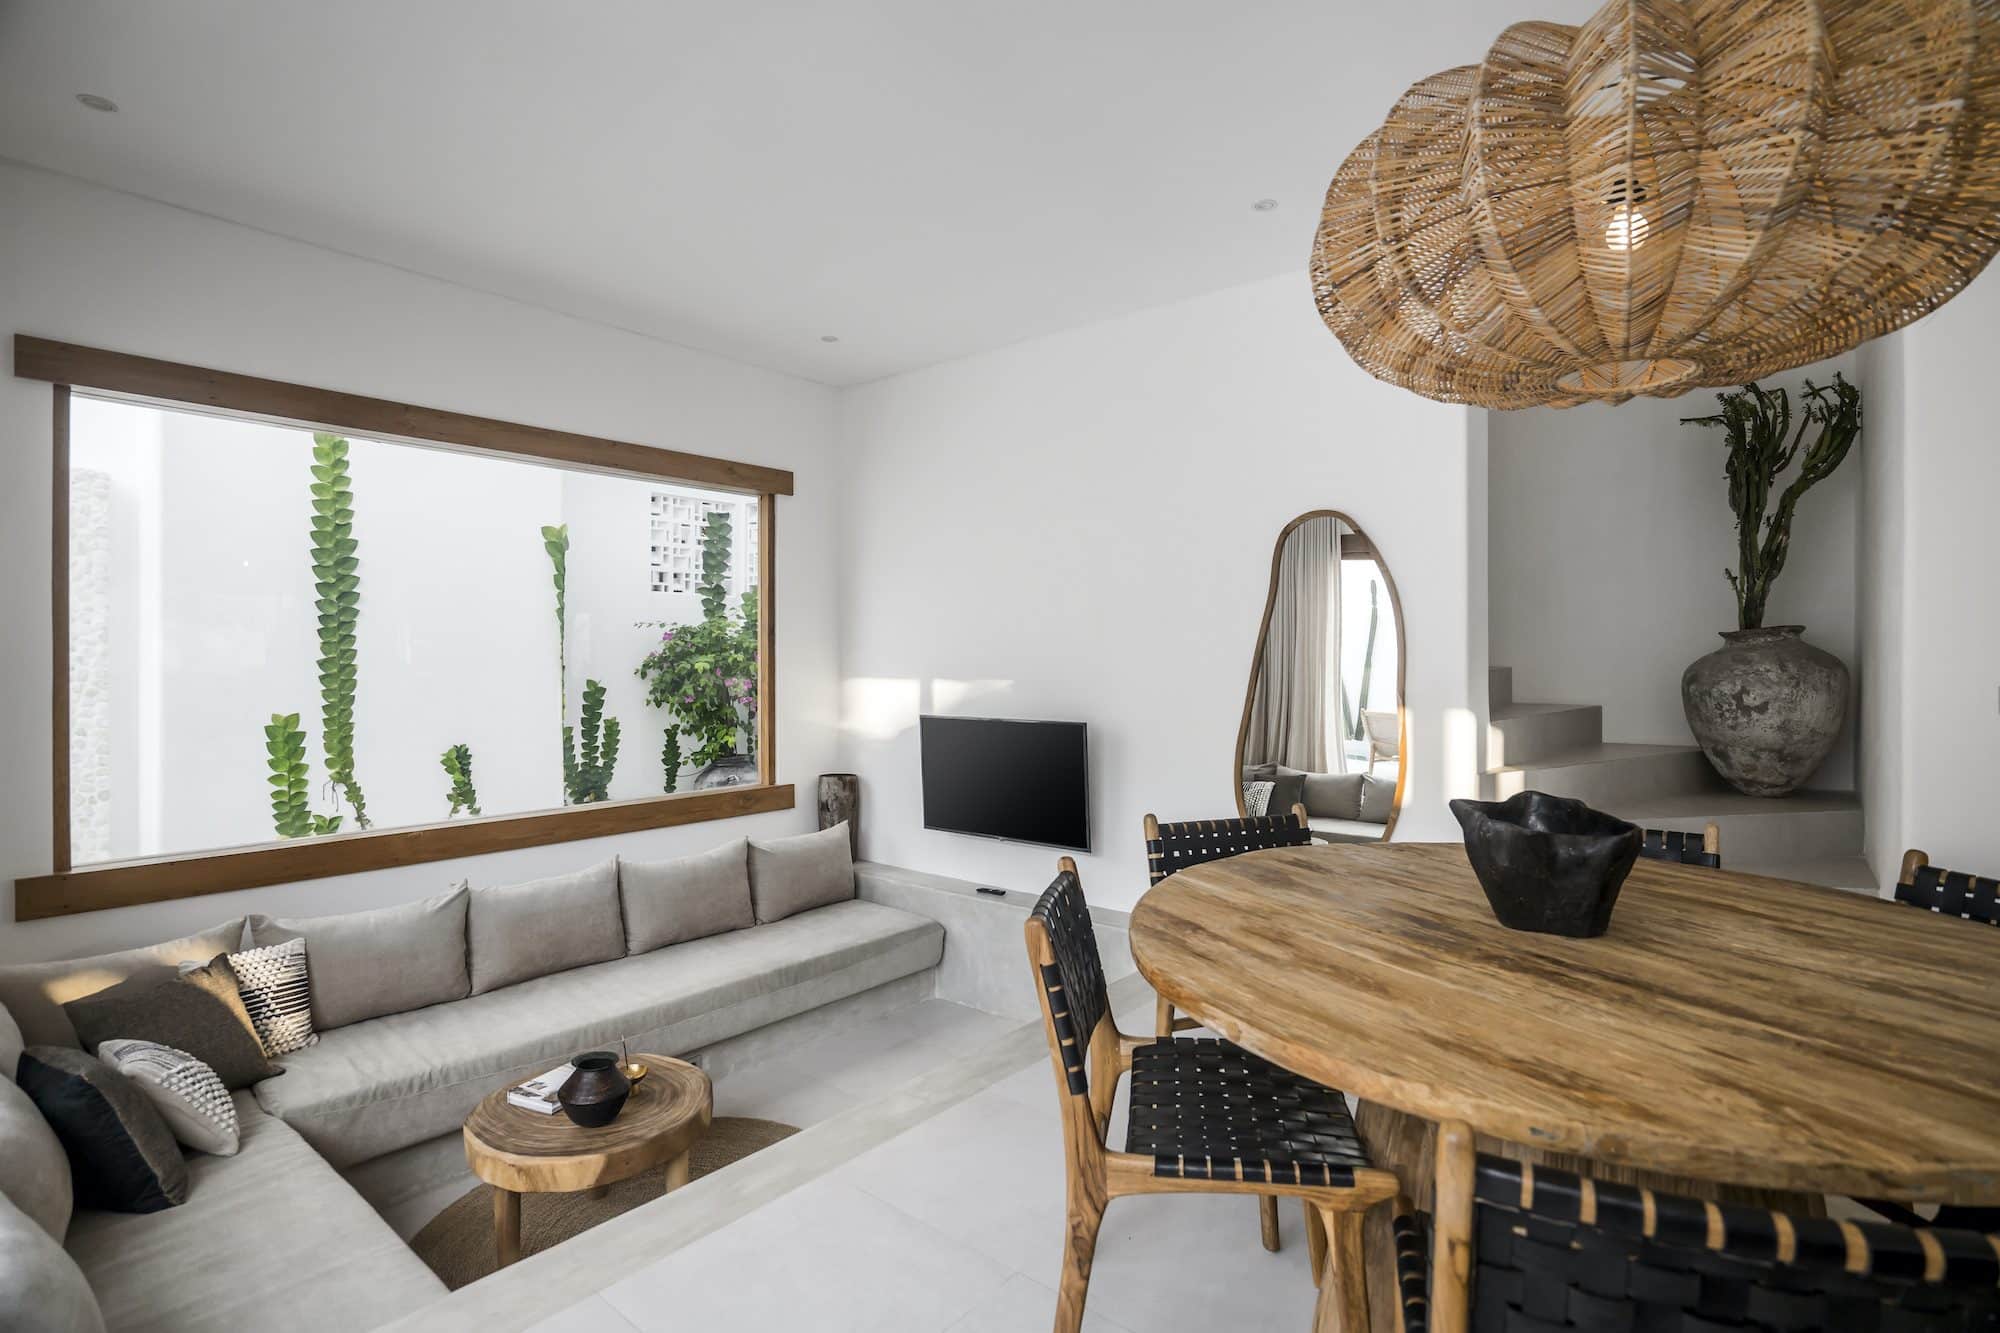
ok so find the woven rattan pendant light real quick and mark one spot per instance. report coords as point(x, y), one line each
point(1672, 195)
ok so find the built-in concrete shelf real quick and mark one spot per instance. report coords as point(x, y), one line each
point(985, 954)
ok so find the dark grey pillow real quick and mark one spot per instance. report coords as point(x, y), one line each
point(1259, 772)
point(1288, 788)
point(793, 875)
point(1334, 795)
point(386, 961)
point(198, 1011)
point(122, 1156)
point(692, 898)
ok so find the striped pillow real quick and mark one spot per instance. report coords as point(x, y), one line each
point(277, 992)
point(190, 1098)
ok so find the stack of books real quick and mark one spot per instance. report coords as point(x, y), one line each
point(539, 1093)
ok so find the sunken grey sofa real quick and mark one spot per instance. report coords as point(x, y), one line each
point(482, 988)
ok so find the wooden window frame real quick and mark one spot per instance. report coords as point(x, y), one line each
point(154, 879)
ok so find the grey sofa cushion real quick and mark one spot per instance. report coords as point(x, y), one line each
point(390, 1082)
point(197, 1010)
point(34, 1172)
point(1333, 795)
point(121, 1154)
point(1378, 801)
point(34, 993)
point(516, 932)
point(10, 1044)
point(793, 875)
point(386, 961)
point(41, 1288)
point(692, 898)
point(269, 1238)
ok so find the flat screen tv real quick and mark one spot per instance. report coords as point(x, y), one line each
point(996, 777)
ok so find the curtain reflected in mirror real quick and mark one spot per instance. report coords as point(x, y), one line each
point(1322, 721)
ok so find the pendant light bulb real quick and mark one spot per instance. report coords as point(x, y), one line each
point(1627, 229)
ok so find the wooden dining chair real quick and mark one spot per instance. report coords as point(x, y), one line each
point(1686, 848)
point(1206, 1117)
point(1947, 892)
point(1193, 842)
point(1515, 1246)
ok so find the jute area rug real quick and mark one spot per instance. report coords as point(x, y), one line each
point(458, 1242)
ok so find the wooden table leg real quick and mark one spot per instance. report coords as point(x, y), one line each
point(1343, 1289)
point(506, 1226)
point(677, 1173)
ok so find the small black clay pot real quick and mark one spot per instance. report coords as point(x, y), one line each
point(1548, 864)
point(595, 1093)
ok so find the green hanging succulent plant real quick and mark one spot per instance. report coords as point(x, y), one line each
point(716, 544)
point(670, 758)
point(285, 751)
point(587, 775)
point(337, 581)
point(457, 762)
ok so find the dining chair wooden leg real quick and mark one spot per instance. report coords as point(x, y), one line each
point(1343, 1291)
point(1163, 1017)
point(1451, 1227)
point(1315, 1242)
point(1086, 1214)
point(1267, 1220)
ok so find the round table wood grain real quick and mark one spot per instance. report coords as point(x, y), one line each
point(525, 1152)
point(1728, 1026)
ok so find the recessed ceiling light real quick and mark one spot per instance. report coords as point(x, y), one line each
point(1265, 205)
point(829, 337)
point(96, 103)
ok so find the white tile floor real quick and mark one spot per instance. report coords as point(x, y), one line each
point(954, 1225)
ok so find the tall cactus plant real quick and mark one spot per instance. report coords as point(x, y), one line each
point(337, 581)
point(587, 774)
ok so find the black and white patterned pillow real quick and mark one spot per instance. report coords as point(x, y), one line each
point(1257, 798)
point(189, 1095)
point(277, 993)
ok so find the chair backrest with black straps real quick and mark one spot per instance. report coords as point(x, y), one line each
point(1689, 849)
point(1171, 847)
point(1947, 892)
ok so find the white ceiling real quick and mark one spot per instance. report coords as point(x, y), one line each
point(923, 178)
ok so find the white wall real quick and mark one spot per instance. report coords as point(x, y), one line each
point(1080, 527)
point(1933, 566)
point(93, 266)
point(1610, 533)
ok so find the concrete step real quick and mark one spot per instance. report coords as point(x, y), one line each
point(1839, 872)
point(1608, 775)
point(1499, 688)
point(1807, 826)
point(1522, 733)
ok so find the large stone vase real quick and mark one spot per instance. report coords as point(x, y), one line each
point(1766, 707)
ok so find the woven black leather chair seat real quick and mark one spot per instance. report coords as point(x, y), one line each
point(1537, 1267)
point(1204, 1109)
point(1953, 893)
point(1674, 845)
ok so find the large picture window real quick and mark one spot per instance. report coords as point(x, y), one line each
point(296, 643)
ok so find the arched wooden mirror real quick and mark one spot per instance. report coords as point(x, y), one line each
point(1323, 720)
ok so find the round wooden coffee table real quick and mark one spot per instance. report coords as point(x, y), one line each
point(525, 1152)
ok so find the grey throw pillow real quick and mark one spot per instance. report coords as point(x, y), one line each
point(1378, 801)
point(41, 1288)
point(386, 961)
point(516, 932)
point(198, 1011)
point(35, 993)
point(793, 875)
point(692, 898)
point(1288, 788)
point(187, 1093)
point(122, 1156)
point(1333, 795)
point(10, 1044)
point(34, 1172)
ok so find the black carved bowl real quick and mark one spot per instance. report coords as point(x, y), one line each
point(1548, 864)
point(595, 1093)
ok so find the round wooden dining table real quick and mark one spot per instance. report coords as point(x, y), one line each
point(1727, 1027)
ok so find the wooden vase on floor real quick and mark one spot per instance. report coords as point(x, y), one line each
point(840, 799)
